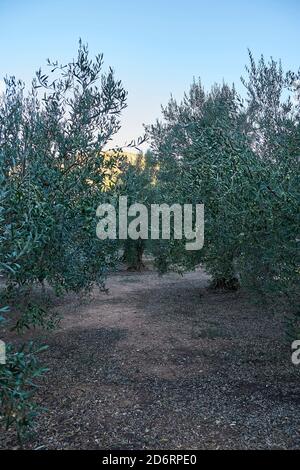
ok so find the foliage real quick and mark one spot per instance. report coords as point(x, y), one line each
point(36, 316)
point(52, 162)
point(21, 368)
point(137, 182)
point(52, 173)
point(241, 159)
point(17, 380)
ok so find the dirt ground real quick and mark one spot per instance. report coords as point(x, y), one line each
point(166, 363)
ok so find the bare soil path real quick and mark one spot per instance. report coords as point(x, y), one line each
point(166, 363)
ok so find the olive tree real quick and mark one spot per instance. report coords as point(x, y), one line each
point(240, 157)
point(51, 144)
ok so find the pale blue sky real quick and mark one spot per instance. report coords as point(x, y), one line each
point(155, 46)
